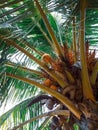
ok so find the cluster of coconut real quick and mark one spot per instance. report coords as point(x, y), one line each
point(57, 122)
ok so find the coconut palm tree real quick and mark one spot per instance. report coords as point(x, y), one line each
point(49, 75)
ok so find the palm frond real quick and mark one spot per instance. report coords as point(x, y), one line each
point(18, 113)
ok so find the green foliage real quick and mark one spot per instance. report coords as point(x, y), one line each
point(20, 113)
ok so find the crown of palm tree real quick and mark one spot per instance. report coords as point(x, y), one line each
point(43, 61)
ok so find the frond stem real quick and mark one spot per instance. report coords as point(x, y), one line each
point(43, 65)
point(24, 69)
point(49, 114)
point(31, 47)
point(54, 93)
point(56, 44)
point(74, 39)
point(87, 90)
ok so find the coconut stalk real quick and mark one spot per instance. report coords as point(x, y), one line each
point(53, 37)
point(53, 93)
point(87, 90)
